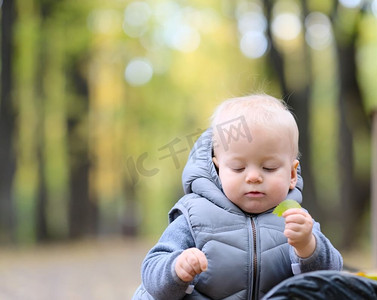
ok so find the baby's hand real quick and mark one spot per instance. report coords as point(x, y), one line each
point(298, 230)
point(190, 263)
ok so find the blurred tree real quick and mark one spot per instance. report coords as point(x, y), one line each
point(53, 108)
point(7, 124)
point(98, 86)
point(83, 209)
point(27, 91)
point(71, 210)
point(51, 209)
point(297, 96)
point(354, 190)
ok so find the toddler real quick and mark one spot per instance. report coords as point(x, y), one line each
point(222, 241)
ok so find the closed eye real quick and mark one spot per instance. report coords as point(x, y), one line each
point(238, 170)
point(269, 169)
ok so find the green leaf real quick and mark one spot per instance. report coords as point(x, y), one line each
point(283, 206)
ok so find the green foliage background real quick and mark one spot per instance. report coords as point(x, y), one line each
point(70, 96)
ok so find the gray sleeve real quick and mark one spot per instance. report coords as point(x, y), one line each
point(325, 256)
point(158, 275)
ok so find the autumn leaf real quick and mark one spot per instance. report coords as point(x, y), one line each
point(283, 206)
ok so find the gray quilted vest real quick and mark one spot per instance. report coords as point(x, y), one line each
point(247, 255)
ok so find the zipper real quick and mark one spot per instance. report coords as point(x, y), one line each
point(255, 258)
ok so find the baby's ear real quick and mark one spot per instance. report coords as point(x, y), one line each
point(214, 159)
point(294, 174)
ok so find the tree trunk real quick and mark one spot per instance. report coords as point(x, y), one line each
point(373, 215)
point(42, 233)
point(299, 101)
point(354, 193)
point(7, 124)
point(83, 210)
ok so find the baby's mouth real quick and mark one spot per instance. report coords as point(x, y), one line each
point(254, 194)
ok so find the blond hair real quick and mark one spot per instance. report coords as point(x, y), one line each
point(258, 109)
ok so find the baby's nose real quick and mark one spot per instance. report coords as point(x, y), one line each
point(253, 176)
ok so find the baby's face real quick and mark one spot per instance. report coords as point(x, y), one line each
point(256, 175)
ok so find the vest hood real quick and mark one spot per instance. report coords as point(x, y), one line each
point(199, 164)
point(200, 176)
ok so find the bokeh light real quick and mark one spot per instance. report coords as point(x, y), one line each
point(253, 44)
point(180, 35)
point(174, 26)
point(286, 26)
point(374, 7)
point(252, 26)
point(139, 71)
point(318, 31)
point(351, 3)
point(252, 21)
point(136, 17)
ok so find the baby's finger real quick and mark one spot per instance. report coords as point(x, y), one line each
point(293, 226)
point(203, 261)
point(192, 264)
point(296, 219)
point(201, 258)
point(184, 274)
point(293, 211)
